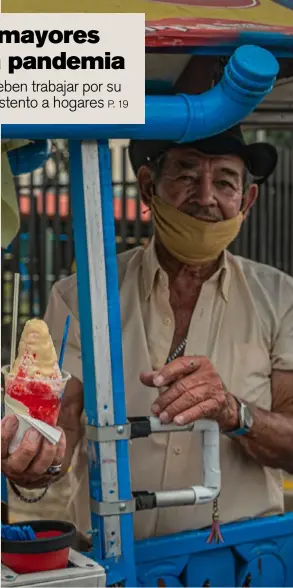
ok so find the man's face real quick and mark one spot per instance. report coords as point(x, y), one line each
point(209, 188)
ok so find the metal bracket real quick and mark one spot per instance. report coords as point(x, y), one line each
point(135, 428)
point(109, 509)
point(106, 434)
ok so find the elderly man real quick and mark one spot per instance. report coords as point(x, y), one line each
point(212, 332)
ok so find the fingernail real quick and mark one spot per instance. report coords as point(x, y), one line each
point(33, 436)
point(10, 424)
point(164, 417)
point(179, 420)
point(155, 408)
point(158, 380)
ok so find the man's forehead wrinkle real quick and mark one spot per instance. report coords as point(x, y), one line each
point(183, 164)
point(191, 159)
point(184, 158)
point(187, 164)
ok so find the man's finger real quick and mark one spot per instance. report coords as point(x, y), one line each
point(182, 366)
point(204, 410)
point(9, 426)
point(186, 401)
point(49, 455)
point(147, 378)
point(61, 448)
point(42, 461)
point(20, 460)
point(193, 382)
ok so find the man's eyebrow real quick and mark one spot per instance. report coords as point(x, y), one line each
point(230, 172)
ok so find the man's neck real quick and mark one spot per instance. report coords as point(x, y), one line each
point(181, 274)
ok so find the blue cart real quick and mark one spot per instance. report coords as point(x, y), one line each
point(257, 552)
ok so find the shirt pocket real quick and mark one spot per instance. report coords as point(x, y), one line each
point(251, 374)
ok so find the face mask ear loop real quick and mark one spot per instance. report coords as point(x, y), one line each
point(148, 209)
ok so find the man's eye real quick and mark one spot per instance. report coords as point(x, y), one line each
point(225, 184)
point(185, 178)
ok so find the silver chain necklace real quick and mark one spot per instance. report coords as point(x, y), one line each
point(178, 351)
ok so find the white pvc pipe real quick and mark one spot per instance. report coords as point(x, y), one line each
point(211, 465)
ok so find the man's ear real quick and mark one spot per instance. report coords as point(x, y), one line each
point(249, 198)
point(145, 184)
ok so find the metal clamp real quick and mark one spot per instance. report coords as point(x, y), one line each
point(106, 434)
point(135, 428)
point(109, 509)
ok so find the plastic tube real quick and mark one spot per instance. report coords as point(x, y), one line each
point(248, 77)
point(211, 465)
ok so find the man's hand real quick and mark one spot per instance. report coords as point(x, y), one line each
point(28, 465)
point(195, 391)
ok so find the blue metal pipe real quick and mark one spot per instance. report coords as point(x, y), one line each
point(248, 77)
point(115, 335)
point(26, 159)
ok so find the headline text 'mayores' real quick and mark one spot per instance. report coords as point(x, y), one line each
point(39, 38)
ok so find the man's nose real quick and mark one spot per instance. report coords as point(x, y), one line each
point(205, 191)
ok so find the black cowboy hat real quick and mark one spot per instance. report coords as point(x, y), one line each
point(259, 158)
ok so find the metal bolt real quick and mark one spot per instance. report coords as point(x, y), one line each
point(122, 506)
point(120, 429)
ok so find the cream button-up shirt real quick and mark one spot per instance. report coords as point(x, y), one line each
point(243, 321)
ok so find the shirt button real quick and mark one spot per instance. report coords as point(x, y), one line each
point(167, 321)
point(177, 450)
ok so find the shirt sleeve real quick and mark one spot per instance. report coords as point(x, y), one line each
point(56, 313)
point(282, 351)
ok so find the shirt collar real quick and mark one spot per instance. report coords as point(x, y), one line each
point(151, 267)
point(223, 275)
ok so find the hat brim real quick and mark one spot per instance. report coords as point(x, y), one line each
point(259, 158)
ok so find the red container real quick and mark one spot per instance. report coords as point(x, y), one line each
point(50, 551)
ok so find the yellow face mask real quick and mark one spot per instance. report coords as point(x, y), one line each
point(189, 239)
